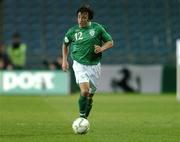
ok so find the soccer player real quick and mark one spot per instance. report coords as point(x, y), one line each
point(87, 40)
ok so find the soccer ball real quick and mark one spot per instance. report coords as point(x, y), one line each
point(80, 126)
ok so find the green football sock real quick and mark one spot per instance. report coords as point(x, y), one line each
point(82, 105)
point(89, 104)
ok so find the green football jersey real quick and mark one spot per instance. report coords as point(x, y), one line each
point(82, 41)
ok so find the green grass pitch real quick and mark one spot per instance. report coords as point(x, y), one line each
point(114, 118)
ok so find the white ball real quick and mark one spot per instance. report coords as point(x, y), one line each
point(80, 126)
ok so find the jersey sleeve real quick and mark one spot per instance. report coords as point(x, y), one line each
point(104, 34)
point(67, 38)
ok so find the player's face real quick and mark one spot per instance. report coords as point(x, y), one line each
point(83, 19)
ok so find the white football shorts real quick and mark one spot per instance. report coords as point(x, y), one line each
point(87, 73)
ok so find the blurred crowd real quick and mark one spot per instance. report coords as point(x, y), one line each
point(13, 56)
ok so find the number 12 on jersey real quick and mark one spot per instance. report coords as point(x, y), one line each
point(78, 36)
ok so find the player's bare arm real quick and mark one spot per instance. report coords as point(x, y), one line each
point(65, 52)
point(106, 46)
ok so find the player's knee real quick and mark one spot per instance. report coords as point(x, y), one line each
point(85, 93)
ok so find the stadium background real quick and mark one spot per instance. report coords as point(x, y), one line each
point(144, 32)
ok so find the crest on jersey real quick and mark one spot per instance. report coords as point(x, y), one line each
point(92, 32)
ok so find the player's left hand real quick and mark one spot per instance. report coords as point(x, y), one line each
point(97, 49)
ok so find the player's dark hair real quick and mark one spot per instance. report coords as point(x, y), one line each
point(86, 8)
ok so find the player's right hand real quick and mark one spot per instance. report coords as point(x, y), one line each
point(97, 49)
point(65, 66)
